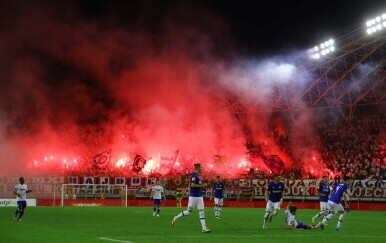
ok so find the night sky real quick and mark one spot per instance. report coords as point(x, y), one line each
point(273, 26)
point(250, 27)
point(255, 27)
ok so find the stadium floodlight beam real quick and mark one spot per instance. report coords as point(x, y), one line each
point(376, 24)
point(323, 49)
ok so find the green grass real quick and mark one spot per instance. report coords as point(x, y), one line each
point(136, 224)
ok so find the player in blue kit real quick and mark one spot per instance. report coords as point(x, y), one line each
point(195, 198)
point(340, 191)
point(274, 198)
point(324, 192)
point(218, 193)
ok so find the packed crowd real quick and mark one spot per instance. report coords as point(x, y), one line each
point(356, 149)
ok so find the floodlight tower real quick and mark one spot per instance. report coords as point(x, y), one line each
point(345, 73)
point(325, 48)
point(354, 76)
point(376, 24)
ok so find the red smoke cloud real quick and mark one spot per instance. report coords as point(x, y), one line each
point(74, 87)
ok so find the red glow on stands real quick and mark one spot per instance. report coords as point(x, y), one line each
point(121, 163)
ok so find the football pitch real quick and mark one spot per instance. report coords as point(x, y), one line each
point(136, 224)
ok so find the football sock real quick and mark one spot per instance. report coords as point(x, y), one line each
point(17, 212)
point(154, 209)
point(328, 217)
point(340, 221)
point(21, 213)
point(219, 211)
point(184, 213)
point(158, 210)
point(266, 217)
point(202, 219)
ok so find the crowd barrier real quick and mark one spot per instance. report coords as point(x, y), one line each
point(354, 205)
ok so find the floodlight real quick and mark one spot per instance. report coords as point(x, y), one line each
point(322, 49)
point(376, 24)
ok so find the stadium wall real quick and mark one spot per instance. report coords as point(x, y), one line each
point(354, 205)
point(371, 194)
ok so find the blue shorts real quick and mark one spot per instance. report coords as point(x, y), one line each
point(301, 226)
point(22, 204)
point(157, 201)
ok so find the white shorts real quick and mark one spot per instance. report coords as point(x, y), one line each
point(196, 202)
point(219, 201)
point(324, 206)
point(335, 207)
point(272, 205)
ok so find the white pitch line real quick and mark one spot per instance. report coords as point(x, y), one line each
point(108, 239)
point(248, 236)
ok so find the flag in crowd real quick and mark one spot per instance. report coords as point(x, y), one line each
point(101, 161)
point(274, 163)
point(138, 163)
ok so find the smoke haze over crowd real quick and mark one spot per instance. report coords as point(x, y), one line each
point(74, 84)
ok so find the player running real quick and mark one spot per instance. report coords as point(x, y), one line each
point(195, 198)
point(274, 197)
point(324, 192)
point(334, 203)
point(21, 191)
point(218, 193)
point(156, 193)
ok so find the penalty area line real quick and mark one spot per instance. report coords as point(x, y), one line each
point(109, 239)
